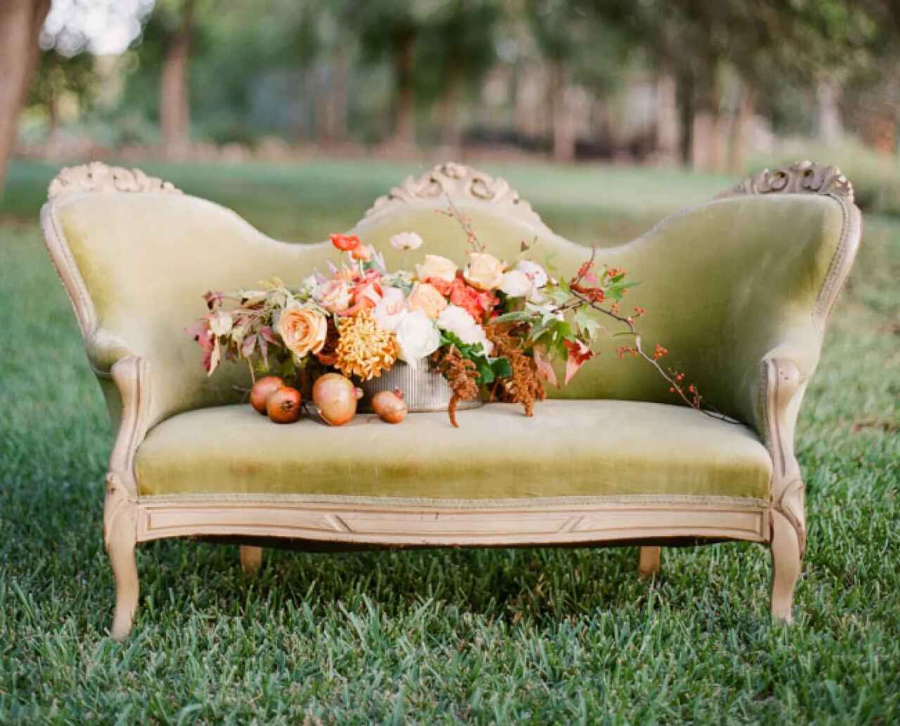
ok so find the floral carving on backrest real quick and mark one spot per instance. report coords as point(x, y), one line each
point(801, 177)
point(458, 182)
point(98, 177)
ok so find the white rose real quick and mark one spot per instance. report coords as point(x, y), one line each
point(406, 241)
point(417, 337)
point(484, 271)
point(391, 309)
point(535, 272)
point(517, 284)
point(436, 266)
point(456, 320)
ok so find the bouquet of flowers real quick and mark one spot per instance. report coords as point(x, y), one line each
point(491, 327)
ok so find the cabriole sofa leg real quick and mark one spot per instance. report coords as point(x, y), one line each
point(786, 564)
point(648, 564)
point(251, 559)
point(120, 536)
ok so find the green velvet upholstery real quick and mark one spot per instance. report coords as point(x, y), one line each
point(725, 283)
point(569, 449)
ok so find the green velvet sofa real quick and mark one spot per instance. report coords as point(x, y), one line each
point(739, 290)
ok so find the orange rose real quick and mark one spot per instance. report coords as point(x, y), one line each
point(425, 297)
point(303, 330)
point(345, 242)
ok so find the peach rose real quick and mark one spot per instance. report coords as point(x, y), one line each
point(303, 330)
point(438, 267)
point(334, 295)
point(484, 271)
point(362, 253)
point(426, 298)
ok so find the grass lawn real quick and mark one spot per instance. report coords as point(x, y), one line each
point(566, 635)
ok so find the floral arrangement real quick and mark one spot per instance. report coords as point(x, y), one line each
point(491, 328)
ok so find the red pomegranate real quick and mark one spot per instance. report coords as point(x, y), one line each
point(261, 391)
point(283, 406)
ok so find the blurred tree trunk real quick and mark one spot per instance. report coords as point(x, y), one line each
point(174, 105)
point(667, 126)
point(741, 130)
point(686, 114)
point(563, 123)
point(830, 125)
point(405, 95)
point(707, 137)
point(451, 108)
point(20, 27)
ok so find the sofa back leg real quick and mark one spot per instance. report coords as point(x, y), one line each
point(786, 565)
point(251, 559)
point(648, 563)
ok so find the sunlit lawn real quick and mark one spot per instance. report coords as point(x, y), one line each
point(496, 635)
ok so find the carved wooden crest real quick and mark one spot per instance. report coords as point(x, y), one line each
point(801, 177)
point(98, 177)
point(456, 181)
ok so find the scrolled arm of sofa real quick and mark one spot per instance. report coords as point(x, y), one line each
point(781, 393)
point(131, 377)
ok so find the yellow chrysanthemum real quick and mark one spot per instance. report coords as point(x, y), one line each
point(365, 349)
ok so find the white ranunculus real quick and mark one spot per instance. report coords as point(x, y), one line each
point(516, 284)
point(406, 241)
point(535, 272)
point(309, 284)
point(456, 320)
point(390, 310)
point(417, 337)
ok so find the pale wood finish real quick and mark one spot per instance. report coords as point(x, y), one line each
point(648, 563)
point(779, 523)
point(251, 559)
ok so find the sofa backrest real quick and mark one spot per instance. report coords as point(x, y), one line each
point(723, 282)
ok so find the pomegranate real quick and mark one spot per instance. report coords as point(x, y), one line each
point(283, 406)
point(261, 391)
point(390, 406)
point(335, 398)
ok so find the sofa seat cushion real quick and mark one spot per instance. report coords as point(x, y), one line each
point(595, 448)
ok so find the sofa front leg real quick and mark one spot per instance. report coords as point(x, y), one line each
point(120, 536)
point(648, 563)
point(786, 565)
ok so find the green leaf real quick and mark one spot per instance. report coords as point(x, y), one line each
point(502, 367)
point(514, 317)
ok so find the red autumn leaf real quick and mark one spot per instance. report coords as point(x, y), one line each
point(545, 370)
point(579, 354)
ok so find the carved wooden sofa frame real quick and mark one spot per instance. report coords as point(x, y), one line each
point(130, 518)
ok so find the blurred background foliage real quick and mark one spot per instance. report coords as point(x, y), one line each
point(714, 85)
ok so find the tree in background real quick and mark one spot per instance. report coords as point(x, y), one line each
point(457, 50)
point(579, 46)
point(391, 29)
point(20, 27)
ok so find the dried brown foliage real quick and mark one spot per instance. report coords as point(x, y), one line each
point(460, 374)
point(524, 386)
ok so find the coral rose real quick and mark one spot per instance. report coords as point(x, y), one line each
point(436, 267)
point(484, 271)
point(303, 330)
point(425, 297)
